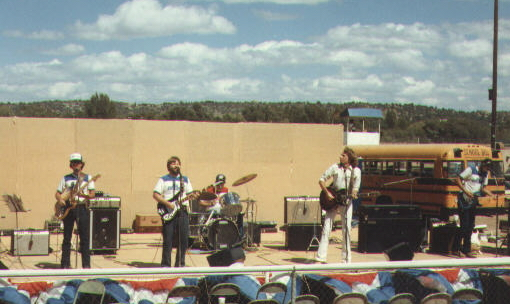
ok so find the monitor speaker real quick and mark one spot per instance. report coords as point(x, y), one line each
point(226, 257)
point(399, 252)
point(302, 210)
point(104, 229)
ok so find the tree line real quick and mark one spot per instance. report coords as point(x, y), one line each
point(400, 122)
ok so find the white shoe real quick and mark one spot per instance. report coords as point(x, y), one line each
point(319, 260)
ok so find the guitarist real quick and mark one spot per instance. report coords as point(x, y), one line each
point(70, 184)
point(472, 182)
point(169, 193)
point(346, 178)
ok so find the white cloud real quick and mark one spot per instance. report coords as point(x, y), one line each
point(39, 35)
point(70, 49)
point(273, 16)
point(147, 18)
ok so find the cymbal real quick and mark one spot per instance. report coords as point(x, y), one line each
point(244, 179)
point(207, 196)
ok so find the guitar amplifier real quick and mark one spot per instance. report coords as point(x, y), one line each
point(302, 210)
point(30, 242)
point(108, 202)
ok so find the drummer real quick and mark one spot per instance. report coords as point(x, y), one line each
point(214, 206)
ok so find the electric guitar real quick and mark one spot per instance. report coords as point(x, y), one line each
point(339, 198)
point(61, 211)
point(167, 214)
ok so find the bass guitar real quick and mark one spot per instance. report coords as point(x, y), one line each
point(167, 214)
point(339, 198)
point(61, 211)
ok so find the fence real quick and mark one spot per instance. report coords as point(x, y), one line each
point(377, 281)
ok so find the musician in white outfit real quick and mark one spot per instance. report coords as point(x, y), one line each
point(346, 179)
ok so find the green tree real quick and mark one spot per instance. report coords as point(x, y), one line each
point(100, 106)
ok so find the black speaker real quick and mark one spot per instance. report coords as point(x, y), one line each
point(252, 231)
point(442, 238)
point(104, 229)
point(226, 257)
point(399, 252)
point(378, 235)
point(299, 237)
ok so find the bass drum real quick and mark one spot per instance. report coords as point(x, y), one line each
point(221, 234)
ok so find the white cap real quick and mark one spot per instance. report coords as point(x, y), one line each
point(76, 157)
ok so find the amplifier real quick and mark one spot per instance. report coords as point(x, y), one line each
point(30, 242)
point(302, 210)
point(104, 229)
point(108, 202)
point(389, 212)
point(299, 237)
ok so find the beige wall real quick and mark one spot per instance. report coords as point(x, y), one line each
point(131, 155)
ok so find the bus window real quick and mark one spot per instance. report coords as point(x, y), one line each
point(388, 168)
point(400, 168)
point(373, 167)
point(413, 168)
point(427, 169)
point(452, 168)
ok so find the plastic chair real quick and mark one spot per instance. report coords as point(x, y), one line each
point(467, 294)
point(437, 298)
point(307, 299)
point(351, 298)
point(90, 292)
point(264, 301)
point(402, 298)
point(184, 292)
point(224, 290)
point(272, 288)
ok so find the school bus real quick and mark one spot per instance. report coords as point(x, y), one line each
point(425, 175)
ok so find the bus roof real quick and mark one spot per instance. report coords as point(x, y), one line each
point(422, 151)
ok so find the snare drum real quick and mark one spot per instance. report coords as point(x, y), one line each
point(221, 233)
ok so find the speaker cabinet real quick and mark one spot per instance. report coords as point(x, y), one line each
point(226, 257)
point(30, 242)
point(379, 235)
point(302, 210)
point(299, 237)
point(442, 238)
point(253, 232)
point(104, 229)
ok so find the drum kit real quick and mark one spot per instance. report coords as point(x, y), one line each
point(219, 231)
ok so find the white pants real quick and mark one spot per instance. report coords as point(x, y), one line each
point(346, 216)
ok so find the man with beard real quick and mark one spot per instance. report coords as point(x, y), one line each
point(172, 193)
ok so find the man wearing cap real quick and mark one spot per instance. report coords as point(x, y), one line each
point(81, 188)
point(219, 189)
point(472, 182)
point(173, 192)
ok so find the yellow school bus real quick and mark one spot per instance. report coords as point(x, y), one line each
point(425, 174)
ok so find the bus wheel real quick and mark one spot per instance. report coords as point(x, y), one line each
point(383, 200)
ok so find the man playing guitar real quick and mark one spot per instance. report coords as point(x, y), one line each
point(173, 192)
point(346, 179)
point(72, 183)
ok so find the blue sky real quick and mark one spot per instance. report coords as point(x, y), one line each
point(436, 52)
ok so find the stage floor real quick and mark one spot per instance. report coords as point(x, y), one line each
point(143, 250)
